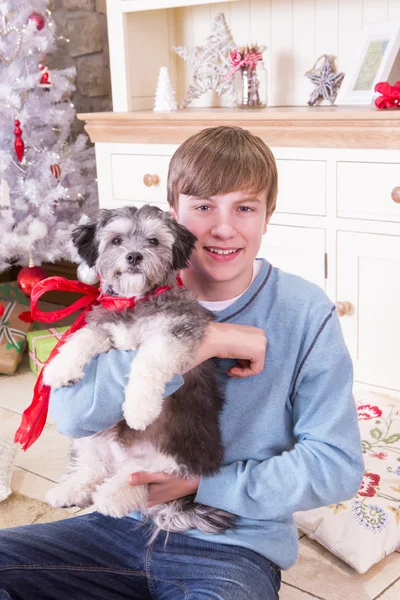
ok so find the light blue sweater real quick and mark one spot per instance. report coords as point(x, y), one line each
point(291, 435)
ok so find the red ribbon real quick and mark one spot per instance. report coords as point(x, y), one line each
point(34, 417)
point(390, 97)
point(236, 60)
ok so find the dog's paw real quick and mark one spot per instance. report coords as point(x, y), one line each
point(141, 407)
point(140, 416)
point(67, 494)
point(58, 374)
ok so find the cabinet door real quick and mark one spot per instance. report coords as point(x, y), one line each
point(298, 250)
point(368, 276)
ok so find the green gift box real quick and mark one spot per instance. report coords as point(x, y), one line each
point(40, 344)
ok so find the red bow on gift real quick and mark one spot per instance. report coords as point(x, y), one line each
point(390, 95)
point(34, 417)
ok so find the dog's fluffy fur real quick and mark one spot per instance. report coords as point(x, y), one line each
point(135, 251)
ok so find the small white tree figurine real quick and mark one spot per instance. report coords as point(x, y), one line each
point(165, 94)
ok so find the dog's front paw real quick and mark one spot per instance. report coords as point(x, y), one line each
point(140, 415)
point(58, 373)
point(142, 405)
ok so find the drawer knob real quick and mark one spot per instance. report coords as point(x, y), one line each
point(150, 180)
point(344, 308)
point(396, 194)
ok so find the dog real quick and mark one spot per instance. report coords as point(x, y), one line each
point(134, 251)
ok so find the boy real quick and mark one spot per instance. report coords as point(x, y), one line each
point(289, 424)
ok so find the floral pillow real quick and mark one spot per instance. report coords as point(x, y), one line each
point(364, 530)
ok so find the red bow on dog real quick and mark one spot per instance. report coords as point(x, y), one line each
point(34, 417)
point(390, 95)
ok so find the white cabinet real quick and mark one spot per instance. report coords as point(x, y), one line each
point(298, 250)
point(368, 276)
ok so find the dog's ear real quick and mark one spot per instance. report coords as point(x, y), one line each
point(183, 246)
point(85, 242)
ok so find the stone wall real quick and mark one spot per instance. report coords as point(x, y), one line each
point(84, 23)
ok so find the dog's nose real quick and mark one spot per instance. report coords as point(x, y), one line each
point(134, 258)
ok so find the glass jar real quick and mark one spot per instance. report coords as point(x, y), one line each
point(251, 86)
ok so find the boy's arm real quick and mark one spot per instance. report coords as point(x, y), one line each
point(95, 402)
point(326, 464)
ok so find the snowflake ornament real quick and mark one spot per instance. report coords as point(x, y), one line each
point(210, 64)
point(326, 79)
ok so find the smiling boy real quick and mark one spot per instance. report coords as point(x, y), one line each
point(289, 425)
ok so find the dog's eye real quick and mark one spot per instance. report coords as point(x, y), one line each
point(117, 241)
point(153, 241)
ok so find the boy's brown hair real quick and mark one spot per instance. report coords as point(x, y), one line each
point(219, 160)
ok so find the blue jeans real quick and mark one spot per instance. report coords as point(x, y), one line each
point(94, 557)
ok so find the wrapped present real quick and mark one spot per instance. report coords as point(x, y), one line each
point(15, 322)
point(10, 292)
point(40, 344)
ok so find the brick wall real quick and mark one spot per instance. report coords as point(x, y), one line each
point(84, 23)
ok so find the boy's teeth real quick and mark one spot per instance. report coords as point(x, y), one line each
point(221, 251)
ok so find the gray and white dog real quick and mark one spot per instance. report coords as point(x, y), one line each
point(134, 251)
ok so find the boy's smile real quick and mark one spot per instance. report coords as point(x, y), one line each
point(229, 229)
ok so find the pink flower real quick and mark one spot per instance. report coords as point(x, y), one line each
point(380, 455)
point(369, 483)
point(366, 411)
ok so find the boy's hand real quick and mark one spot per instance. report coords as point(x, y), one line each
point(244, 343)
point(164, 487)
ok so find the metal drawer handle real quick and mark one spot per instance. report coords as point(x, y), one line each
point(396, 194)
point(150, 180)
point(344, 308)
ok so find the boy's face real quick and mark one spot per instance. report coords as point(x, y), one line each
point(233, 222)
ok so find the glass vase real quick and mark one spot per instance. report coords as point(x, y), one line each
point(251, 86)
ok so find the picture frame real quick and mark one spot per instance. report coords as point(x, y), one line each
point(377, 59)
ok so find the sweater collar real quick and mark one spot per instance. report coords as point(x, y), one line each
point(259, 282)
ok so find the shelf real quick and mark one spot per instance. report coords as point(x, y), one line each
point(324, 127)
point(141, 5)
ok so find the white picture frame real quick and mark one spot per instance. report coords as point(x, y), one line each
point(373, 62)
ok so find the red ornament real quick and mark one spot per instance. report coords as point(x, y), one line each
point(19, 142)
point(45, 81)
point(1, 309)
point(38, 19)
point(56, 170)
point(28, 277)
point(390, 95)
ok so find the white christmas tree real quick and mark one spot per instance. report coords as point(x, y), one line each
point(165, 94)
point(47, 182)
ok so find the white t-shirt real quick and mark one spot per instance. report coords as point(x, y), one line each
point(222, 304)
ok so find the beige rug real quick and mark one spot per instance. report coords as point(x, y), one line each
point(19, 510)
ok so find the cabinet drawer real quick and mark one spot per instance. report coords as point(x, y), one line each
point(364, 190)
point(127, 172)
point(302, 187)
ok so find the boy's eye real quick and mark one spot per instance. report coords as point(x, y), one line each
point(203, 208)
point(245, 209)
point(117, 241)
point(153, 241)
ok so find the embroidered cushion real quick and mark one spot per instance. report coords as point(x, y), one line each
point(365, 529)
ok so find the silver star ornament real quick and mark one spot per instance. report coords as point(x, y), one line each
point(210, 64)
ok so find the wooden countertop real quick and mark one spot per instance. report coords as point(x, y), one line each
point(323, 127)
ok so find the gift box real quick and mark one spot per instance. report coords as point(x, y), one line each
point(10, 292)
point(15, 322)
point(40, 344)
